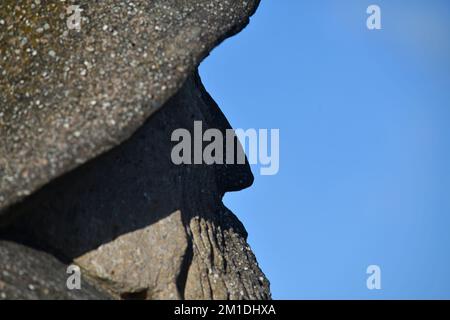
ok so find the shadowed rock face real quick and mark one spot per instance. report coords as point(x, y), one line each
point(68, 96)
point(85, 162)
point(29, 274)
point(145, 226)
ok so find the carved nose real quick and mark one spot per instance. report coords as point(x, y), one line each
point(230, 177)
point(234, 177)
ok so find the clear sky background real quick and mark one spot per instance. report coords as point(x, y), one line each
point(364, 119)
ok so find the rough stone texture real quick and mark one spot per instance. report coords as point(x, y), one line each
point(68, 96)
point(147, 261)
point(85, 161)
point(149, 228)
point(29, 274)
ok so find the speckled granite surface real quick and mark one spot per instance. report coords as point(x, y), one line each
point(68, 96)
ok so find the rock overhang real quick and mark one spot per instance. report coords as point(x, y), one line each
point(69, 96)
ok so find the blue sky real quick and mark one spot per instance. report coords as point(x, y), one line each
point(364, 119)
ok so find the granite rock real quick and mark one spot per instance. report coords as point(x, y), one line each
point(147, 227)
point(29, 274)
point(67, 95)
point(86, 174)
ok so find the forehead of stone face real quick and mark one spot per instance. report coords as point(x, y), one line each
point(79, 77)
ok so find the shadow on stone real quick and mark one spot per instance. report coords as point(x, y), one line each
point(146, 227)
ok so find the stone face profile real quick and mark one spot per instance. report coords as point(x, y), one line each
point(86, 175)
